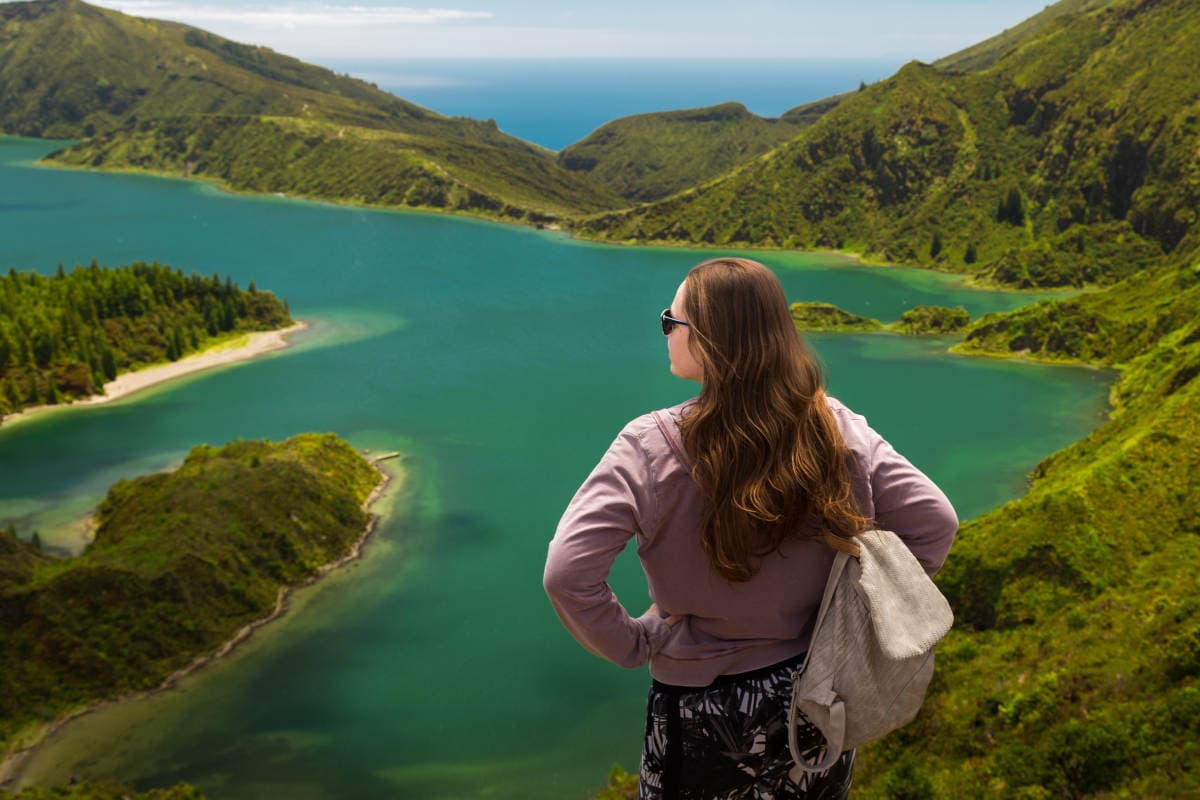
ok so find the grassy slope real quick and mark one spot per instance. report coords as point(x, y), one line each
point(68, 69)
point(649, 156)
point(982, 55)
point(181, 560)
point(1073, 668)
point(325, 160)
point(1088, 127)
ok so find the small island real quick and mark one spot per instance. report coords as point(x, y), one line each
point(920, 320)
point(98, 333)
point(184, 566)
point(822, 317)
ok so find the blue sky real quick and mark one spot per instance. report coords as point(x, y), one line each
point(922, 29)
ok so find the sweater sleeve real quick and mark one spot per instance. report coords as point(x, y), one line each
point(612, 505)
point(911, 505)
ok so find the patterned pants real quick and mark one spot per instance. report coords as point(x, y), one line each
point(728, 741)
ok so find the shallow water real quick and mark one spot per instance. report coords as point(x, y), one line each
point(501, 361)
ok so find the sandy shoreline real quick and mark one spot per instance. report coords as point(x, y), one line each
point(13, 764)
point(128, 383)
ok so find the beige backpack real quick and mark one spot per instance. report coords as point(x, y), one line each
point(871, 654)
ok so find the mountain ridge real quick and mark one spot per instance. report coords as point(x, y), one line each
point(127, 75)
point(1062, 163)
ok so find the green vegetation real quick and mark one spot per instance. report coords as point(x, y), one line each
point(621, 786)
point(1073, 668)
point(982, 55)
point(932, 319)
point(180, 562)
point(103, 790)
point(139, 84)
point(1066, 158)
point(62, 338)
point(819, 317)
point(649, 156)
point(1108, 327)
point(340, 162)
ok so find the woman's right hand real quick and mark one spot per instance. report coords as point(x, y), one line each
point(674, 619)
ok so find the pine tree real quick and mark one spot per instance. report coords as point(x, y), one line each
point(7, 348)
point(1011, 208)
point(12, 393)
point(252, 289)
point(108, 363)
point(36, 540)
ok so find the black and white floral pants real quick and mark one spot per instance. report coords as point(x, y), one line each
point(728, 741)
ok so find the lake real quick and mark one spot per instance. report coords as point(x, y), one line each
point(501, 361)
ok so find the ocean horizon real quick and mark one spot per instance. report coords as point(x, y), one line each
point(556, 102)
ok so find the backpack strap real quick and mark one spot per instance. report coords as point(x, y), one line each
point(837, 715)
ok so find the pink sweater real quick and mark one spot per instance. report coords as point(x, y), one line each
point(641, 488)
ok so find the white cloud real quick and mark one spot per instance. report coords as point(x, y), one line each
point(307, 15)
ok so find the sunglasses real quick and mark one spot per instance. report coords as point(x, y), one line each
point(669, 322)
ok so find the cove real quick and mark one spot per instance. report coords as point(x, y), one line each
point(501, 361)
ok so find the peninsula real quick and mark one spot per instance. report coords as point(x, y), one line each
point(184, 566)
point(96, 334)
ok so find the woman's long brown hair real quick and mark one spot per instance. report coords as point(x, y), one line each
point(765, 448)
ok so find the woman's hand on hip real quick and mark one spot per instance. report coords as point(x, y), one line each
point(671, 620)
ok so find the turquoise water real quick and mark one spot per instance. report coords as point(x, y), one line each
point(501, 361)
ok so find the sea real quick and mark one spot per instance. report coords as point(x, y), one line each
point(555, 103)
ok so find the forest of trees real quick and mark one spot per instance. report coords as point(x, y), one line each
point(63, 337)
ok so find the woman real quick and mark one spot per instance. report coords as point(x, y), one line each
point(728, 495)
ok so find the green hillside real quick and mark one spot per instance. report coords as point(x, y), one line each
point(69, 70)
point(1073, 668)
point(983, 54)
point(649, 156)
point(1069, 160)
point(180, 562)
point(63, 337)
point(317, 159)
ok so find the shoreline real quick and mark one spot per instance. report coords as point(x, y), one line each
point(129, 383)
point(969, 280)
point(12, 764)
